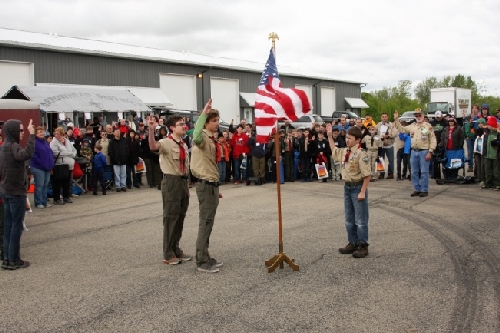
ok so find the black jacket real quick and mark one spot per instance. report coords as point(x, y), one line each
point(118, 151)
point(134, 151)
point(457, 138)
point(13, 160)
point(300, 147)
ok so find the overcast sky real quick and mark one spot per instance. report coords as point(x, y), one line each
point(374, 41)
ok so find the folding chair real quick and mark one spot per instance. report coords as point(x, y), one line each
point(453, 161)
point(108, 177)
point(79, 175)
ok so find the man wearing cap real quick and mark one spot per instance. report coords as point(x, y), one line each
point(423, 144)
point(438, 124)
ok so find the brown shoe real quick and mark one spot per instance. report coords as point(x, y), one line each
point(415, 194)
point(362, 250)
point(348, 249)
point(390, 177)
point(381, 177)
point(423, 194)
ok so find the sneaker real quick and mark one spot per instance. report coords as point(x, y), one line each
point(217, 264)
point(208, 267)
point(423, 194)
point(40, 206)
point(236, 182)
point(94, 193)
point(118, 190)
point(184, 257)
point(48, 205)
point(497, 188)
point(5, 264)
point(415, 194)
point(58, 202)
point(362, 250)
point(19, 264)
point(481, 184)
point(390, 177)
point(172, 261)
point(124, 189)
point(348, 249)
point(67, 200)
point(74, 195)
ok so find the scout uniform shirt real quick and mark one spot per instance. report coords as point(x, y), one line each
point(203, 164)
point(170, 152)
point(357, 166)
point(372, 145)
point(422, 137)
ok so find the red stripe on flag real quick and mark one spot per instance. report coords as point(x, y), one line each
point(261, 121)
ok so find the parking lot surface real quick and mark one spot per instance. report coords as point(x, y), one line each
point(96, 264)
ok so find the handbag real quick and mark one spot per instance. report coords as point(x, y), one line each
point(140, 166)
point(60, 171)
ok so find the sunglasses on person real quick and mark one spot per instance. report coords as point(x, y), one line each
point(418, 115)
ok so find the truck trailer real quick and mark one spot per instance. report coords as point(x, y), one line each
point(451, 100)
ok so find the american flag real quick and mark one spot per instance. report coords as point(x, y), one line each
point(274, 102)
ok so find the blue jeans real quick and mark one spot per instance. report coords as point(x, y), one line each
point(42, 179)
point(389, 152)
point(470, 151)
point(296, 161)
point(419, 170)
point(356, 215)
point(222, 170)
point(237, 169)
point(120, 175)
point(14, 211)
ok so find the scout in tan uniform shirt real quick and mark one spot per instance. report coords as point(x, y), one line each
point(174, 164)
point(423, 144)
point(204, 167)
point(356, 173)
point(373, 144)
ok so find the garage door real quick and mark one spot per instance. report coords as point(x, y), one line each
point(180, 89)
point(15, 74)
point(226, 98)
point(327, 101)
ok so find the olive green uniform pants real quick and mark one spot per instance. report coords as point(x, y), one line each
point(208, 199)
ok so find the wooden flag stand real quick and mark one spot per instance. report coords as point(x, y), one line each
point(281, 257)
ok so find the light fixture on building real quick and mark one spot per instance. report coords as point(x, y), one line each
point(200, 75)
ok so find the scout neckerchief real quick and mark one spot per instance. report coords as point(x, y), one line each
point(346, 159)
point(182, 154)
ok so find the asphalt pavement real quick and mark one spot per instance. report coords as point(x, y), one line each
point(96, 264)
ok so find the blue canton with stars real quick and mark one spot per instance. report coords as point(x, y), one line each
point(269, 70)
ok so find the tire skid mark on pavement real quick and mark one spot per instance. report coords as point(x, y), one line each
point(466, 299)
point(89, 214)
point(87, 232)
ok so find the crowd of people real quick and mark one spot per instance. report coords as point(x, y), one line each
point(110, 155)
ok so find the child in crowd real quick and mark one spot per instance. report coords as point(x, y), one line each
point(86, 151)
point(98, 164)
point(478, 153)
point(222, 153)
point(322, 150)
point(373, 144)
point(339, 143)
point(491, 155)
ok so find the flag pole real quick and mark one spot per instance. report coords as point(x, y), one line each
point(281, 257)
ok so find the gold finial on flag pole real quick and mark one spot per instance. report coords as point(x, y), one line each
point(273, 36)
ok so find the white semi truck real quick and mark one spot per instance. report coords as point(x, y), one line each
point(451, 100)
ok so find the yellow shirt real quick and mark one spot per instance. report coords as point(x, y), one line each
point(203, 164)
point(357, 166)
point(170, 157)
point(422, 137)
